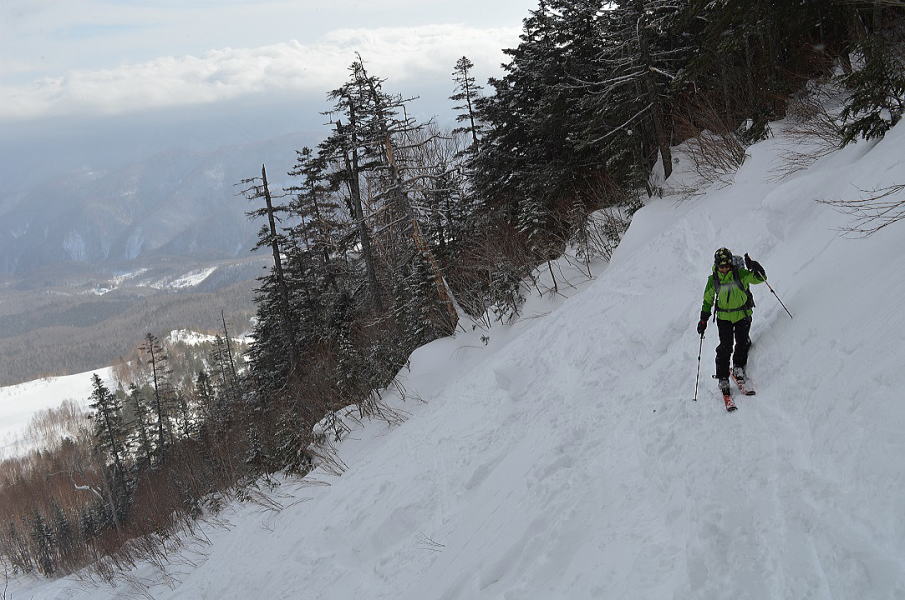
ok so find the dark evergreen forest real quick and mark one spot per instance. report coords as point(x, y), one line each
point(396, 232)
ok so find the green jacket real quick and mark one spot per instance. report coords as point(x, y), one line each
point(734, 302)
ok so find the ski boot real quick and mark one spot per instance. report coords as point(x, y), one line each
point(723, 382)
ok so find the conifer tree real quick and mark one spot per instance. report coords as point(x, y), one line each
point(314, 204)
point(43, 542)
point(110, 434)
point(535, 154)
point(63, 532)
point(346, 149)
point(876, 99)
point(274, 286)
point(142, 434)
point(642, 53)
point(466, 95)
point(206, 396)
point(157, 360)
point(420, 311)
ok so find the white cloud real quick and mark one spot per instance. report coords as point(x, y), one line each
point(13, 66)
point(401, 54)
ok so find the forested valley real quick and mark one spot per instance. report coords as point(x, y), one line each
point(398, 232)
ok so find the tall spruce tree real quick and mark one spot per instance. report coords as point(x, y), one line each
point(466, 96)
point(142, 408)
point(110, 433)
point(346, 149)
point(156, 359)
point(274, 286)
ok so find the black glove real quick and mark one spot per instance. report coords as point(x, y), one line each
point(754, 267)
point(702, 324)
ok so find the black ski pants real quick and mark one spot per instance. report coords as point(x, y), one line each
point(729, 333)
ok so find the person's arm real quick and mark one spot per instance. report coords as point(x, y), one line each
point(708, 299)
point(705, 309)
point(755, 272)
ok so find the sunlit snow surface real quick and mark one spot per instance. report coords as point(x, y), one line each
point(565, 458)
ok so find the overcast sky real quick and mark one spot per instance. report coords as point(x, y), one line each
point(92, 74)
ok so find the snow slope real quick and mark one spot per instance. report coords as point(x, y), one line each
point(565, 458)
point(18, 403)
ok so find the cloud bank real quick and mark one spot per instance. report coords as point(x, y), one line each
point(403, 55)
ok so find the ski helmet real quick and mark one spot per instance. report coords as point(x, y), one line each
point(722, 257)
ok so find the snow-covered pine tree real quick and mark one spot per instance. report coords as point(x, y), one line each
point(277, 351)
point(322, 256)
point(535, 156)
point(345, 150)
point(415, 310)
point(514, 152)
point(629, 100)
point(321, 224)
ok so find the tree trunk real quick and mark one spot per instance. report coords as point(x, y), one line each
point(229, 350)
point(158, 404)
point(650, 88)
point(283, 289)
point(350, 158)
point(468, 92)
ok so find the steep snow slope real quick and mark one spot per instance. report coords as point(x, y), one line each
point(19, 403)
point(565, 459)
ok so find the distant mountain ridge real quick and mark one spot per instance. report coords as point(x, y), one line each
point(175, 203)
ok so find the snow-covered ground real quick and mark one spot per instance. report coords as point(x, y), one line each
point(18, 403)
point(566, 459)
point(190, 279)
point(189, 337)
point(179, 282)
point(195, 338)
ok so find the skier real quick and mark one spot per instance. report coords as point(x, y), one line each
point(727, 289)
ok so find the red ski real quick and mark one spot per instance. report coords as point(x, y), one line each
point(730, 405)
point(743, 387)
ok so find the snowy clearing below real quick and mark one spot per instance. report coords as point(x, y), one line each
point(19, 403)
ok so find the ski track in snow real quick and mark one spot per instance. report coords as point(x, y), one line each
point(566, 459)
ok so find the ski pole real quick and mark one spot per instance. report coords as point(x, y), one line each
point(698, 377)
point(777, 297)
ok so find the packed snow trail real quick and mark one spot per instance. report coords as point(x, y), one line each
point(565, 458)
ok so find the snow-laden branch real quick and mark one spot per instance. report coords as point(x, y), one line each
point(621, 127)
